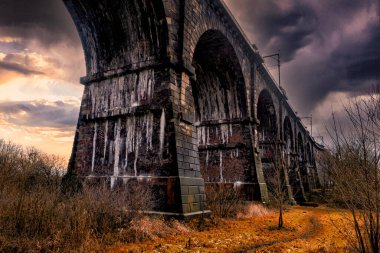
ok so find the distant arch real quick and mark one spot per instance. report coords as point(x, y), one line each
point(288, 135)
point(267, 128)
point(266, 114)
point(300, 147)
point(308, 153)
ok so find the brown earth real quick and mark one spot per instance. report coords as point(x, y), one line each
point(307, 229)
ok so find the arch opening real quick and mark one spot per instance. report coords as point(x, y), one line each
point(220, 107)
point(309, 154)
point(266, 114)
point(311, 180)
point(219, 91)
point(300, 148)
point(288, 140)
point(302, 158)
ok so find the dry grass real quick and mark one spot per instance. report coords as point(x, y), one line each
point(36, 217)
point(254, 210)
point(152, 229)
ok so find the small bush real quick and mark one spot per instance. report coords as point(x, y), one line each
point(254, 210)
point(223, 200)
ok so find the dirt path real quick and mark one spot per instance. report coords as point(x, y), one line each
point(323, 236)
point(306, 230)
point(315, 227)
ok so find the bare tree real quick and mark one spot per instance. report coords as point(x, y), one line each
point(353, 168)
point(276, 182)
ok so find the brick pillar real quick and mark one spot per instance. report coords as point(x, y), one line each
point(193, 199)
point(261, 188)
point(131, 130)
point(288, 186)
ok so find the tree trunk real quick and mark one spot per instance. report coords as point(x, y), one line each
point(280, 220)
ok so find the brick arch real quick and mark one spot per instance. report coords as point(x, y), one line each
point(219, 94)
point(300, 146)
point(267, 115)
point(219, 89)
point(120, 34)
point(203, 16)
point(308, 153)
point(302, 166)
point(219, 30)
point(288, 134)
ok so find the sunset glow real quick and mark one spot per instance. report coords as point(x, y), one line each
point(329, 53)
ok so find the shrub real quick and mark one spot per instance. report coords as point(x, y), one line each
point(254, 210)
point(223, 200)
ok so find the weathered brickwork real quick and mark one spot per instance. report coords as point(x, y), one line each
point(175, 97)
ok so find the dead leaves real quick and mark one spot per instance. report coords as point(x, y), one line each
point(306, 230)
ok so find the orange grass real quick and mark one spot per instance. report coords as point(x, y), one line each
point(306, 229)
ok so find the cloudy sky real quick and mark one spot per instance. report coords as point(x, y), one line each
point(329, 50)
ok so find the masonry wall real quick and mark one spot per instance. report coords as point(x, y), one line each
point(150, 114)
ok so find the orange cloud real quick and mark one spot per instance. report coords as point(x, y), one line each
point(6, 76)
point(48, 140)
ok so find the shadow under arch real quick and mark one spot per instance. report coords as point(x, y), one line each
point(119, 34)
point(309, 154)
point(300, 171)
point(288, 135)
point(300, 148)
point(219, 89)
point(266, 114)
point(220, 110)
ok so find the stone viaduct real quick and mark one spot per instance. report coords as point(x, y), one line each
point(177, 98)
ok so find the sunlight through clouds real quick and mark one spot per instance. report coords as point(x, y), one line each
point(41, 60)
point(329, 50)
point(42, 123)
